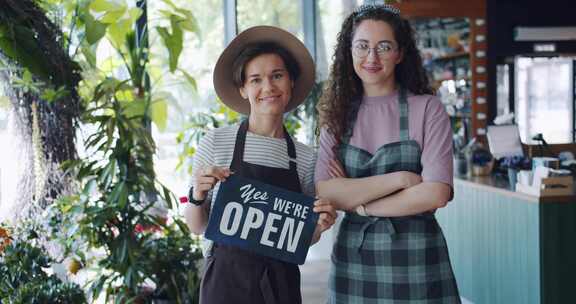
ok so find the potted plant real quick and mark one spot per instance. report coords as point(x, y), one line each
point(174, 260)
point(23, 269)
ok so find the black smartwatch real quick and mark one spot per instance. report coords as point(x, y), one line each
point(191, 199)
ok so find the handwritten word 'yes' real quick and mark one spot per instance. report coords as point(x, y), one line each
point(249, 193)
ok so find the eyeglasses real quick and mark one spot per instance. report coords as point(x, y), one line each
point(383, 49)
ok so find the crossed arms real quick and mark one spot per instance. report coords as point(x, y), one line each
point(393, 194)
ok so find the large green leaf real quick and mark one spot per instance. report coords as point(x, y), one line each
point(89, 53)
point(22, 43)
point(159, 113)
point(95, 29)
point(89, 187)
point(106, 5)
point(7, 42)
point(27, 77)
point(118, 194)
point(170, 3)
point(189, 22)
point(118, 32)
point(52, 95)
point(134, 13)
point(134, 108)
point(111, 10)
point(173, 41)
point(165, 13)
point(7, 47)
point(186, 19)
point(113, 16)
point(190, 80)
point(123, 198)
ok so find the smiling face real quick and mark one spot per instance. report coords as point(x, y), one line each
point(375, 53)
point(267, 85)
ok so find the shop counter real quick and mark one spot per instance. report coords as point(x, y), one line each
point(510, 247)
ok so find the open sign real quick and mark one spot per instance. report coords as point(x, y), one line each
point(265, 219)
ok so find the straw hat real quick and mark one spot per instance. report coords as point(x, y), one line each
point(224, 85)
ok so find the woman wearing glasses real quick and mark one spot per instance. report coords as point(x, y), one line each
point(385, 159)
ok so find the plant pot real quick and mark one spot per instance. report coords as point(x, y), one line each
point(484, 170)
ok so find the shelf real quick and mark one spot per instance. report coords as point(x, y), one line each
point(460, 115)
point(452, 56)
point(455, 79)
point(437, 83)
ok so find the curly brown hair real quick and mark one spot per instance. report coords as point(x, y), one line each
point(344, 90)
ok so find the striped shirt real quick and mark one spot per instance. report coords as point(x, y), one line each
point(216, 148)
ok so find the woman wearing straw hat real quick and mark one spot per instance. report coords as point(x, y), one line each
point(385, 158)
point(263, 73)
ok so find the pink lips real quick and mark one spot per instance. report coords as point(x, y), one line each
point(269, 98)
point(372, 69)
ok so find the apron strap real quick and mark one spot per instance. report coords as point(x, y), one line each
point(390, 228)
point(351, 122)
point(238, 155)
point(291, 151)
point(404, 123)
point(369, 221)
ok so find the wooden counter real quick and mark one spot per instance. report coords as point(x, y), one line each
point(509, 247)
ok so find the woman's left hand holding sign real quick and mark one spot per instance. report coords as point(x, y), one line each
point(206, 178)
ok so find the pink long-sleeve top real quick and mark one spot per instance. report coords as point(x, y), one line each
point(377, 124)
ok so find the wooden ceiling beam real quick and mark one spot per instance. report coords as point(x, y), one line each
point(442, 8)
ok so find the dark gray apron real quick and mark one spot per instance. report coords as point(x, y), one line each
point(234, 275)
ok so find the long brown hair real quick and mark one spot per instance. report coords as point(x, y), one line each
point(344, 90)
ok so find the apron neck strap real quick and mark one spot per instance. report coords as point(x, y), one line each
point(403, 106)
point(351, 122)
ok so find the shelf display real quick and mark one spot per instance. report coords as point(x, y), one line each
point(453, 33)
point(445, 47)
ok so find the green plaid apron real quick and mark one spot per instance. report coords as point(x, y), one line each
point(389, 260)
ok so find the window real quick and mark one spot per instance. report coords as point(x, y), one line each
point(286, 14)
point(502, 89)
point(330, 15)
point(198, 57)
point(544, 106)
